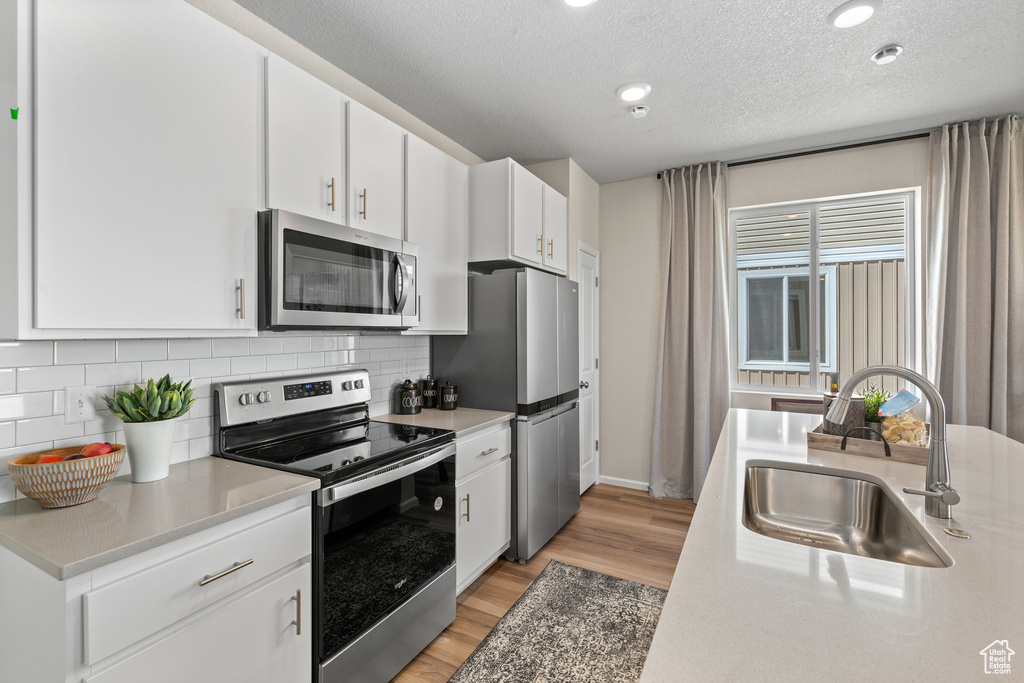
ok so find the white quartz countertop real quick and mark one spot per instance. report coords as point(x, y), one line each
point(129, 518)
point(744, 607)
point(462, 421)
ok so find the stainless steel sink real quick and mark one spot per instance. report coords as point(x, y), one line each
point(846, 513)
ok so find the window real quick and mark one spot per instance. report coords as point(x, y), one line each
point(860, 312)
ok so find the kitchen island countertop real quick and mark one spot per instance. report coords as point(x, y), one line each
point(462, 421)
point(128, 518)
point(742, 606)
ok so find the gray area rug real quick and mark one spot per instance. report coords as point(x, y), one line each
point(571, 624)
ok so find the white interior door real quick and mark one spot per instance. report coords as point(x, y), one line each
point(588, 265)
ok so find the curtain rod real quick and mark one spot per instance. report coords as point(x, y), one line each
point(837, 148)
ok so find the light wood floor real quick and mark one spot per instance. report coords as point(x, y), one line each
point(617, 531)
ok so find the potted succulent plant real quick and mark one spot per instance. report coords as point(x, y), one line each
point(873, 400)
point(148, 415)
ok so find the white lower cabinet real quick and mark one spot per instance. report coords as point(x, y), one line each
point(484, 491)
point(228, 603)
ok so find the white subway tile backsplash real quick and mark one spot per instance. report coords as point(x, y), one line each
point(361, 356)
point(284, 361)
point(230, 347)
point(189, 348)
point(39, 429)
point(379, 355)
point(347, 343)
point(80, 352)
point(295, 344)
point(177, 369)
point(246, 365)
point(58, 402)
point(141, 349)
point(50, 378)
point(6, 437)
point(7, 488)
point(210, 367)
point(14, 354)
point(105, 422)
point(264, 346)
point(8, 380)
point(179, 452)
point(20, 406)
point(203, 407)
point(113, 373)
point(367, 342)
point(323, 344)
point(200, 448)
point(310, 360)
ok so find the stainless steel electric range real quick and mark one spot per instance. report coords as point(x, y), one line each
point(383, 520)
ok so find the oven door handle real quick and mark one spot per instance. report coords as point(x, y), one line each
point(387, 474)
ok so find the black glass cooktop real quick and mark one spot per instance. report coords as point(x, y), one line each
point(330, 446)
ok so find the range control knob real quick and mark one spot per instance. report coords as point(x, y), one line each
point(246, 399)
point(347, 386)
point(263, 397)
point(359, 384)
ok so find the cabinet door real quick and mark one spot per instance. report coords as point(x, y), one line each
point(249, 639)
point(376, 151)
point(437, 200)
point(484, 528)
point(146, 167)
point(556, 230)
point(527, 215)
point(305, 143)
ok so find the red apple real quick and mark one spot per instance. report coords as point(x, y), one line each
point(48, 458)
point(95, 449)
point(76, 456)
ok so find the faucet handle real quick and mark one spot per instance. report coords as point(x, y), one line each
point(946, 494)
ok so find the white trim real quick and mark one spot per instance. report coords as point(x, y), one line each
point(624, 483)
point(784, 365)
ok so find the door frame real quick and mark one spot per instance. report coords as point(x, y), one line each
point(584, 248)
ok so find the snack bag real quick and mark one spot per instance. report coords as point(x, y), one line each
point(901, 425)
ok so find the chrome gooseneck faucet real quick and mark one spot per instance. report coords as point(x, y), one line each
point(940, 495)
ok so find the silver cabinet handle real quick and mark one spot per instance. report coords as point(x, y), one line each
point(298, 611)
point(584, 385)
point(467, 507)
point(363, 197)
point(331, 203)
point(240, 288)
point(489, 451)
point(210, 579)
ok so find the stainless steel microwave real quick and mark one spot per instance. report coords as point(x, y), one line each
point(314, 274)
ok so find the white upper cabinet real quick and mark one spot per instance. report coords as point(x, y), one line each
point(556, 229)
point(147, 167)
point(437, 205)
point(514, 216)
point(376, 153)
point(305, 143)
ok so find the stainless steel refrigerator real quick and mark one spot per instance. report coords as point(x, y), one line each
point(522, 355)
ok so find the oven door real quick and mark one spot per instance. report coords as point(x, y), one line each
point(319, 274)
point(384, 540)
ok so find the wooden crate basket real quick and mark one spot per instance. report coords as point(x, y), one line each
point(915, 455)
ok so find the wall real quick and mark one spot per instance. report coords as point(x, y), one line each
point(583, 194)
point(256, 29)
point(33, 375)
point(630, 224)
point(630, 215)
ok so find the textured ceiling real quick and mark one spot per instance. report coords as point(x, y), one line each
point(536, 79)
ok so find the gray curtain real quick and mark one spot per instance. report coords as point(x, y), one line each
point(974, 250)
point(692, 383)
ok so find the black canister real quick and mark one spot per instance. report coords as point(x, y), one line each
point(449, 396)
point(408, 400)
point(428, 387)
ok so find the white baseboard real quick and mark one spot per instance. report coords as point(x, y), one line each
point(625, 483)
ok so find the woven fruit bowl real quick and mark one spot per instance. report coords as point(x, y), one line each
point(68, 482)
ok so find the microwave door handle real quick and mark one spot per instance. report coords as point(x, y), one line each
point(402, 276)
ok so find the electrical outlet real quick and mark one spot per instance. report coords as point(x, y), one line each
point(78, 404)
point(405, 366)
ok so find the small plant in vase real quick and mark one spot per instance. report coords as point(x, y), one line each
point(874, 398)
point(148, 415)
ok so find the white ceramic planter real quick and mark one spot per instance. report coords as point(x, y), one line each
point(149, 448)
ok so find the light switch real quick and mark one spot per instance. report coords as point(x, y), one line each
point(78, 404)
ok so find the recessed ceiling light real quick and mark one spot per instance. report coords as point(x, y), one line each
point(853, 12)
point(887, 54)
point(579, 3)
point(631, 92)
